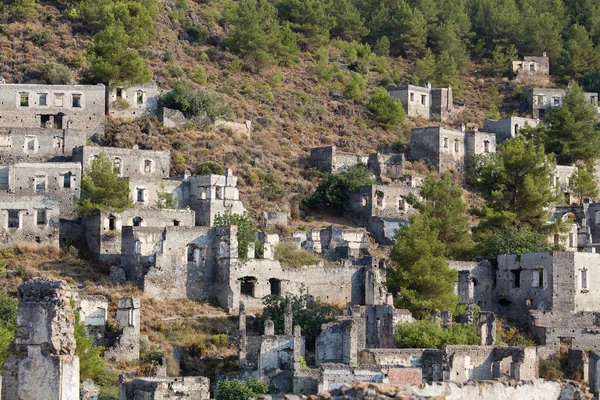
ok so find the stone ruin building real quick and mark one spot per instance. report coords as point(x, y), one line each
point(384, 165)
point(508, 127)
point(427, 102)
point(139, 100)
point(162, 388)
point(532, 70)
point(542, 100)
point(203, 262)
point(447, 149)
point(43, 364)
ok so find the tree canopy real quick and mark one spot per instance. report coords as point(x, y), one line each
point(103, 189)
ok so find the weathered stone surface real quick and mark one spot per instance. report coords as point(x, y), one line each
point(43, 364)
point(180, 388)
point(488, 390)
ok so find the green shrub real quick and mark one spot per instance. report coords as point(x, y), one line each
point(235, 65)
point(334, 189)
point(424, 334)
point(309, 315)
point(290, 255)
point(8, 322)
point(241, 390)
point(41, 38)
point(201, 106)
point(271, 189)
point(246, 233)
point(199, 75)
point(356, 87)
point(196, 33)
point(384, 110)
point(203, 57)
point(210, 168)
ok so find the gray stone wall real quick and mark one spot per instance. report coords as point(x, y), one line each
point(542, 100)
point(78, 107)
point(103, 230)
point(532, 69)
point(508, 127)
point(43, 364)
point(443, 148)
point(385, 201)
point(416, 100)
point(329, 159)
point(478, 143)
point(39, 144)
point(562, 178)
point(31, 219)
point(210, 195)
point(142, 100)
point(180, 388)
point(60, 180)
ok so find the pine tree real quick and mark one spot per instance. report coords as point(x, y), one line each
point(103, 189)
point(310, 19)
point(404, 27)
point(349, 25)
point(573, 134)
point(384, 110)
point(517, 185)
point(446, 72)
point(257, 31)
point(111, 61)
point(423, 70)
point(421, 274)
point(444, 210)
point(24, 9)
point(579, 58)
point(356, 87)
point(583, 184)
point(288, 51)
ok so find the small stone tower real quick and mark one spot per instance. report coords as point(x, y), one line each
point(43, 364)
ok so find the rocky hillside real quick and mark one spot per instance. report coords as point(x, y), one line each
point(290, 110)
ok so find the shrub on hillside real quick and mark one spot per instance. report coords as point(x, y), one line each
point(210, 168)
point(426, 334)
point(57, 74)
point(236, 389)
point(334, 190)
point(201, 106)
point(384, 110)
point(289, 254)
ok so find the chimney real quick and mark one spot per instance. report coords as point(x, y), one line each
point(461, 127)
point(544, 54)
point(428, 85)
point(475, 128)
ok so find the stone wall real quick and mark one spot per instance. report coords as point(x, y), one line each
point(180, 388)
point(142, 100)
point(489, 390)
point(424, 101)
point(19, 144)
point(104, 230)
point(78, 107)
point(43, 364)
point(31, 219)
point(542, 100)
point(508, 127)
point(562, 178)
point(532, 69)
point(127, 344)
point(329, 159)
point(92, 311)
point(442, 148)
point(60, 180)
point(210, 195)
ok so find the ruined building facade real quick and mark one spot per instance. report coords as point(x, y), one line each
point(446, 149)
point(43, 364)
point(427, 102)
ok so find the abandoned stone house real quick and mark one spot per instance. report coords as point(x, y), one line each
point(43, 363)
point(555, 294)
point(145, 169)
point(58, 107)
point(508, 127)
point(532, 70)
point(163, 388)
point(385, 166)
point(383, 208)
point(427, 102)
point(202, 262)
point(103, 230)
point(29, 218)
point(61, 180)
point(542, 100)
point(447, 149)
point(140, 100)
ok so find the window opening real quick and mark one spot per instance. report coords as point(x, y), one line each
point(13, 219)
point(43, 99)
point(76, 101)
point(24, 100)
point(41, 216)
